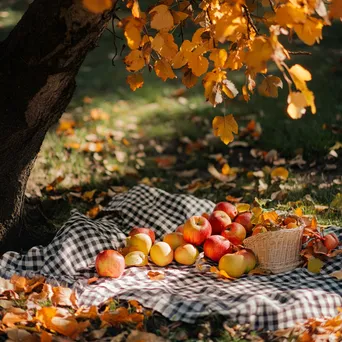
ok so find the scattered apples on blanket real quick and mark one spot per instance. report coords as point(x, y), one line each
point(110, 263)
point(228, 208)
point(245, 219)
point(219, 220)
point(136, 258)
point(233, 264)
point(148, 231)
point(141, 241)
point(250, 259)
point(196, 230)
point(161, 254)
point(186, 254)
point(235, 233)
point(174, 239)
point(216, 246)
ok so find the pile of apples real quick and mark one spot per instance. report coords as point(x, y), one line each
point(219, 235)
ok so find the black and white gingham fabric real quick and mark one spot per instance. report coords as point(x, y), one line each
point(268, 302)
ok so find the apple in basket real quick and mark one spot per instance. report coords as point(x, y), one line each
point(110, 263)
point(219, 220)
point(186, 254)
point(331, 241)
point(235, 233)
point(196, 230)
point(258, 229)
point(228, 208)
point(245, 220)
point(148, 231)
point(216, 246)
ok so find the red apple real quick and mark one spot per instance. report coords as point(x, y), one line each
point(110, 263)
point(216, 246)
point(245, 220)
point(148, 231)
point(196, 230)
point(228, 208)
point(180, 229)
point(235, 233)
point(258, 229)
point(331, 241)
point(250, 259)
point(219, 220)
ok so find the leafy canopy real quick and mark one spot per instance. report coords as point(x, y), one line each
point(231, 35)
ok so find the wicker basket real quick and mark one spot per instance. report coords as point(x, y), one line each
point(277, 251)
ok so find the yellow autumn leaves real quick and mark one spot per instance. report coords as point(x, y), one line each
point(228, 38)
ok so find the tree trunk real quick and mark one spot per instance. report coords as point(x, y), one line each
point(38, 64)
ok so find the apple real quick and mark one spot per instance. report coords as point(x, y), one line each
point(233, 264)
point(148, 231)
point(245, 220)
point(186, 254)
point(206, 215)
point(235, 233)
point(136, 258)
point(331, 241)
point(216, 246)
point(250, 259)
point(141, 241)
point(258, 229)
point(228, 208)
point(180, 229)
point(196, 230)
point(175, 239)
point(110, 263)
point(219, 220)
point(161, 254)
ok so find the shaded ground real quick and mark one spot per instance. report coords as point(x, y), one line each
point(111, 139)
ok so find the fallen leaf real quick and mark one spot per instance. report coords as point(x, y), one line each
point(233, 199)
point(219, 176)
point(315, 265)
point(63, 296)
point(155, 275)
point(337, 274)
point(141, 336)
point(336, 203)
point(280, 172)
point(242, 207)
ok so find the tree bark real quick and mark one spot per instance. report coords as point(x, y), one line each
point(38, 64)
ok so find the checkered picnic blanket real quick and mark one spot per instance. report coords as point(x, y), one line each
point(186, 294)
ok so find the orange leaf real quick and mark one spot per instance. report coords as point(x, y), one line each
point(165, 162)
point(163, 69)
point(155, 275)
point(189, 79)
point(63, 296)
point(135, 81)
point(11, 318)
point(298, 212)
point(233, 199)
point(97, 6)
point(280, 172)
point(224, 127)
point(162, 18)
point(269, 86)
point(134, 60)
point(45, 337)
